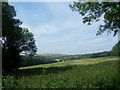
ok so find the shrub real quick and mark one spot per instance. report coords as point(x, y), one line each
point(10, 82)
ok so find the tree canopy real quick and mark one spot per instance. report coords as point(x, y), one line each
point(116, 49)
point(15, 38)
point(92, 11)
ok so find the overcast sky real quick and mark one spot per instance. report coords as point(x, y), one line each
point(57, 29)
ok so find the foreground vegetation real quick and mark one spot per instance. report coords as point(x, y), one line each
point(67, 75)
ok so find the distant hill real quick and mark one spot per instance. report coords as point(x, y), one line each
point(64, 57)
point(54, 55)
point(51, 58)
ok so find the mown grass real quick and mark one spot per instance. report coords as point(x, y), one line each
point(97, 75)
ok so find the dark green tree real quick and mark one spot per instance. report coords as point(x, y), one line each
point(27, 42)
point(92, 11)
point(116, 49)
point(15, 39)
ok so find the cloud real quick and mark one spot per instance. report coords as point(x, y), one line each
point(47, 28)
point(59, 30)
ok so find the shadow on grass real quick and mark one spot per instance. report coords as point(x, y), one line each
point(43, 71)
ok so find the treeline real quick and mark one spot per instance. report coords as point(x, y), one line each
point(44, 59)
point(51, 58)
point(101, 54)
point(34, 60)
point(81, 56)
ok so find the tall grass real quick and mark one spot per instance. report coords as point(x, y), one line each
point(99, 75)
point(78, 76)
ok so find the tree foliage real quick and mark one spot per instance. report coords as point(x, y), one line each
point(116, 49)
point(92, 11)
point(15, 39)
point(27, 42)
point(36, 60)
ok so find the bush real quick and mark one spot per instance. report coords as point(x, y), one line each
point(10, 82)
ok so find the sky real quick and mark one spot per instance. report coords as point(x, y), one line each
point(59, 30)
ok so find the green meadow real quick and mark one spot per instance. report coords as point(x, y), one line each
point(83, 73)
point(72, 62)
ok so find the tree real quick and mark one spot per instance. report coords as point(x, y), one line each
point(116, 49)
point(92, 11)
point(27, 42)
point(15, 39)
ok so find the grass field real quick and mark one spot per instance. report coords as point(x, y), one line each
point(84, 73)
point(72, 62)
